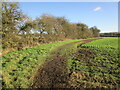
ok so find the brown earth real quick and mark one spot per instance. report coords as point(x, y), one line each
point(54, 73)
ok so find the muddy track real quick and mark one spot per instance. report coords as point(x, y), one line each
point(54, 73)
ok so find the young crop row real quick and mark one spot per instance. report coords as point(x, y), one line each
point(97, 64)
point(19, 67)
point(108, 46)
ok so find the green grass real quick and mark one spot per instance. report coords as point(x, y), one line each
point(105, 42)
point(19, 67)
point(107, 48)
point(102, 70)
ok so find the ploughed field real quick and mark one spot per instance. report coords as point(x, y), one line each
point(83, 63)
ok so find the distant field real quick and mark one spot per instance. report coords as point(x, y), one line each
point(106, 42)
point(96, 64)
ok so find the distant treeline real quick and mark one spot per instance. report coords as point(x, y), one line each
point(20, 31)
point(112, 34)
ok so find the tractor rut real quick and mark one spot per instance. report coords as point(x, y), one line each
point(54, 73)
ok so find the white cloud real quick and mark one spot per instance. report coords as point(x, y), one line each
point(97, 9)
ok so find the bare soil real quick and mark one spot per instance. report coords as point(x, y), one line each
point(54, 73)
